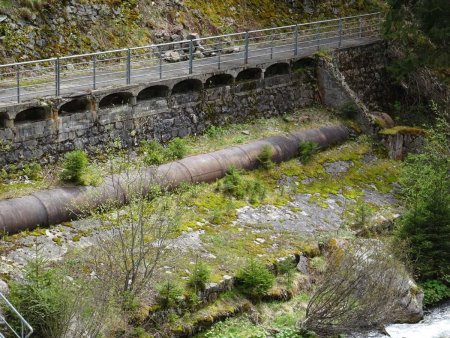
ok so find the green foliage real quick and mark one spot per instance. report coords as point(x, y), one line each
point(307, 150)
point(287, 269)
point(33, 171)
point(435, 291)
point(348, 110)
point(139, 332)
point(361, 215)
point(177, 148)
point(154, 152)
point(426, 191)
point(44, 299)
point(215, 131)
point(169, 293)
point(288, 333)
point(237, 186)
point(254, 279)
point(75, 167)
point(421, 28)
point(200, 275)
point(264, 159)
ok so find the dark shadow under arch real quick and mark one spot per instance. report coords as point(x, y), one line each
point(277, 69)
point(3, 118)
point(153, 92)
point(219, 80)
point(303, 64)
point(187, 86)
point(78, 105)
point(115, 99)
point(33, 114)
point(249, 74)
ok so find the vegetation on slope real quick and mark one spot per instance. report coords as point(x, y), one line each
point(45, 28)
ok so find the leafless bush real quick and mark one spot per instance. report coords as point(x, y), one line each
point(135, 235)
point(360, 290)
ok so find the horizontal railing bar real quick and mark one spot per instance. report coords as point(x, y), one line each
point(195, 40)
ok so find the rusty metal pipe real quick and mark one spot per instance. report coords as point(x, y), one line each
point(53, 206)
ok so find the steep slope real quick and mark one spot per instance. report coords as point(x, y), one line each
point(32, 29)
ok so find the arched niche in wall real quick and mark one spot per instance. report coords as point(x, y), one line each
point(303, 65)
point(219, 80)
point(3, 118)
point(115, 100)
point(78, 105)
point(277, 69)
point(187, 86)
point(33, 114)
point(249, 74)
point(153, 92)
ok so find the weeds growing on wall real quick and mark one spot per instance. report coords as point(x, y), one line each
point(155, 153)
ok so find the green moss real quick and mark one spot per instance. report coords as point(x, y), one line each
point(57, 240)
point(403, 130)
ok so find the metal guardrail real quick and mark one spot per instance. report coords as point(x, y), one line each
point(78, 74)
point(25, 329)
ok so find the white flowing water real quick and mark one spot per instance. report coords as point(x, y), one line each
point(435, 324)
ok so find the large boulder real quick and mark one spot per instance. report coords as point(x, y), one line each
point(172, 56)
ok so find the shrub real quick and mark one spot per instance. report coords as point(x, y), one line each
point(307, 150)
point(287, 268)
point(32, 171)
point(154, 152)
point(360, 290)
point(200, 275)
point(177, 148)
point(288, 333)
point(348, 110)
point(254, 279)
point(264, 158)
point(426, 192)
point(44, 300)
point(214, 131)
point(235, 185)
point(168, 293)
point(74, 167)
point(434, 291)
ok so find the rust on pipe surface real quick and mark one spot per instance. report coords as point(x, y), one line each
point(48, 207)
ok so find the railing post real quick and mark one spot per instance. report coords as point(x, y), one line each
point(191, 56)
point(160, 61)
point(318, 36)
point(246, 48)
point(380, 24)
point(18, 82)
point(296, 40)
point(271, 46)
point(57, 77)
point(128, 66)
point(340, 33)
point(94, 72)
point(219, 54)
point(360, 28)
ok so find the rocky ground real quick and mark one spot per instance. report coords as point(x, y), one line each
point(263, 226)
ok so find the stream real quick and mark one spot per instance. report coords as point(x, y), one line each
point(435, 324)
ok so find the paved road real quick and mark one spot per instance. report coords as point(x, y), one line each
point(83, 82)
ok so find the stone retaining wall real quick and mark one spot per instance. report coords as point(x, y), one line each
point(43, 130)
